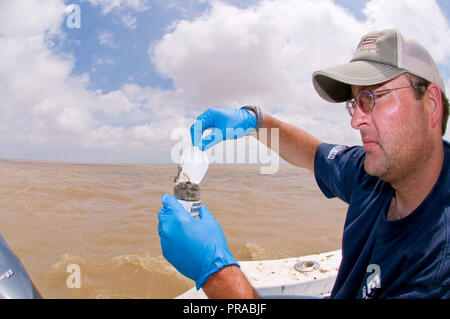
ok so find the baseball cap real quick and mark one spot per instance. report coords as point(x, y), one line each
point(380, 57)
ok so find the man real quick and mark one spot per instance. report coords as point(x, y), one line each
point(396, 234)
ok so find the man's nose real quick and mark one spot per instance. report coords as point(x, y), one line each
point(360, 118)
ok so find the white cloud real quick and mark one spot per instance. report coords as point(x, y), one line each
point(105, 60)
point(129, 21)
point(266, 54)
point(120, 5)
point(31, 18)
point(123, 9)
point(106, 38)
point(418, 19)
point(263, 54)
point(35, 83)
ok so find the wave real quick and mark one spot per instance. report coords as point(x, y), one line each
point(133, 275)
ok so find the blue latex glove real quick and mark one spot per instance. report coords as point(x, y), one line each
point(197, 248)
point(226, 124)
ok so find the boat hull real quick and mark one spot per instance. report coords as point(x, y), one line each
point(308, 276)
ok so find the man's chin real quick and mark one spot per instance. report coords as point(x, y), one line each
point(374, 169)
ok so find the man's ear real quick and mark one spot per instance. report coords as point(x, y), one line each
point(434, 104)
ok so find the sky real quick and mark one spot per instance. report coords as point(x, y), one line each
point(111, 81)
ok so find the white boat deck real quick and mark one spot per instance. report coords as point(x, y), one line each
point(312, 275)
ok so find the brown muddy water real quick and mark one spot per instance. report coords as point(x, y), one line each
point(103, 218)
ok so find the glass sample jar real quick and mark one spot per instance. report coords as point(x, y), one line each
point(191, 171)
point(188, 194)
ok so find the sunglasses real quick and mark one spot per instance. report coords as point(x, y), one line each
point(366, 99)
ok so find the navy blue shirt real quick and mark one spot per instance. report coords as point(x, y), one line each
point(406, 258)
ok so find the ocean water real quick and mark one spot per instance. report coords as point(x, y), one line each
point(103, 219)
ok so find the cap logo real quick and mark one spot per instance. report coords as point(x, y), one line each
point(368, 43)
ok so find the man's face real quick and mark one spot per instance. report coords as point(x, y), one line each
point(395, 134)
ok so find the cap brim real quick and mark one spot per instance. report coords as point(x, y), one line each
point(333, 84)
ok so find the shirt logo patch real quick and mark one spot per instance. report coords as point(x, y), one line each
point(335, 150)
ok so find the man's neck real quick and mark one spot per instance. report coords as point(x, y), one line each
point(412, 190)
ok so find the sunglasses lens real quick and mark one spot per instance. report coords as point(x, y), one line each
point(365, 101)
